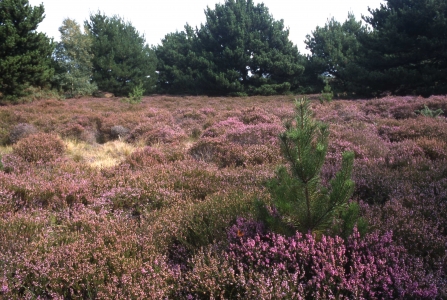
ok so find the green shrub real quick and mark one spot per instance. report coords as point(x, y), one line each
point(135, 95)
point(300, 200)
point(4, 136)
point(272, 89)
point(207, 221)
point(427, 112)
point(326, 93)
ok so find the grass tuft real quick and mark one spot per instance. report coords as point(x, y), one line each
point(99, 156)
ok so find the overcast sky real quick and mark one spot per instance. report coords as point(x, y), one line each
point(156, 18)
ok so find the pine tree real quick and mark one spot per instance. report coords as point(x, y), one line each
point(25, 55)
point(301, 201)
point(406, 52)
point(240, 50)
point(74, 60)
point(178, 64)
point(122, 60)
point(249, 50)
point(335, 51)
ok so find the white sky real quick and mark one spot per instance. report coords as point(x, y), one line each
point(155, 19)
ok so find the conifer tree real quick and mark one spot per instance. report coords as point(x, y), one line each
point(74, 60)
point(178, 64)
point(301, 201)
point(406, 52)
point(241, 49)
point(122, 60)
point(335, 51)
point(25, 55)
point(249, 50)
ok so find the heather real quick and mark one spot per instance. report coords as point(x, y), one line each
point(105, 199)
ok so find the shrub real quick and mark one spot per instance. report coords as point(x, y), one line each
point(358, 137)
point(272, 266)
point(118, 132)
point(39, 147)
point(80, 132)
point(404, 153)
point(244, 229)
point(21, 131)
point(146, 157)
point(218, 152)
point(135, 95)
point(435, 149)
point(261, 154)
point(326, 93)
point(163, 134)
point(375, 182)
point(414, 128)
point(91, 256)
point(418, 225)
point(195, 133)
point(373, 267)
point(4, 136)
point(222, 127)
point(174, 152)
point(205, 223)
point(427, 112)
point(196, 180)
point(259, 134)
point(302, 202)
point(256, 116)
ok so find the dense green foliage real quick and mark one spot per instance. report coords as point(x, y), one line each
point(407, 47)
point(399, 48)
point(74, 61)
point(122, 59)
point(403, 51)
point(25, 55)
point(135, 95)
point(240, 50)
point(335, 49)
point(300, 198)
point(178, 63)
point(427, 112)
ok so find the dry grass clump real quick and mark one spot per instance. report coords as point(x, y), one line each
point(99, 155)
point(5, 150)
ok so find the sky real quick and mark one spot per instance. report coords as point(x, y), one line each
point(156, 18)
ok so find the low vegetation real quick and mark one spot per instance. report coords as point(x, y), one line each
point(106, 199)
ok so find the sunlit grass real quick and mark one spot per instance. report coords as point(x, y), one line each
point(97, 155)
point(5, 150)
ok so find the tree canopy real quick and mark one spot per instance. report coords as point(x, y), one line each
point(407, 47)
point(178, 64)
point(121, 58)
point(74, 60)
point(25, 55)
point(335, 50)
point(240, 49)
point(403, 50)
point(399, 48)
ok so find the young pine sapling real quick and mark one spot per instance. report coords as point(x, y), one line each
point(300, 201)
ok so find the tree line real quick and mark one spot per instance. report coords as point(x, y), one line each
point(400, 48)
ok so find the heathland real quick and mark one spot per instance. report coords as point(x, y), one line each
point(102, 199)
